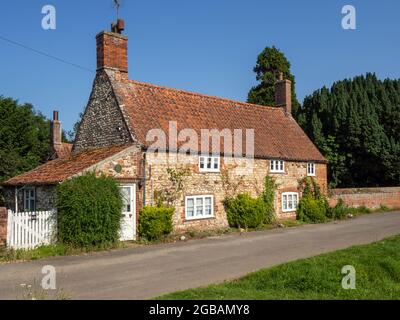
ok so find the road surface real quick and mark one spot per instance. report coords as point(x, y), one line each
point(146, 272)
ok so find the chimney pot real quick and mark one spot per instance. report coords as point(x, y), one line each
point(55, 115)
point(121, 25)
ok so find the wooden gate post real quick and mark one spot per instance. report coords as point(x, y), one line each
point(3, 226)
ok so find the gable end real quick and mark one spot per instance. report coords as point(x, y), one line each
point(102, 123)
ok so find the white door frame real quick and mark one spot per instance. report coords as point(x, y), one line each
point(132, 187)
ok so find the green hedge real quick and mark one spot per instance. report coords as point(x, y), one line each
point(244, 211)
point(155, 222)
point(89, 210)
point(338, 212)
point(311, 209)
point(313, 206)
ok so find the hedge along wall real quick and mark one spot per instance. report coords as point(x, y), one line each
point(370, 197)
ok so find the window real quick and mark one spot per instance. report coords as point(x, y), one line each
point(277, 166)
point(209, 164)
point(290, 201)
point(127, 196)
point(199, 207)
point(311, 169)
point(29, 199)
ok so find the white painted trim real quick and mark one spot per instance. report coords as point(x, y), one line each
point(314, 169)
point(132, 187)
point(206, 157)
point(287, 194)
point(275, 162)
point(194, 207)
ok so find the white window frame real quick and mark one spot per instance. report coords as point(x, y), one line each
point(195, 206)
point(277, 166)
point(212, 159)
point(29, 198)
point(290, 208)
point(311, 165)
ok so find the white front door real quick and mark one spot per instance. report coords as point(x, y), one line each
point(128, 221)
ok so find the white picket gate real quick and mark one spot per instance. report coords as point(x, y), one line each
point(27, 230)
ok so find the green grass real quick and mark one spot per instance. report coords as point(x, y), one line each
point(377, 277)
point(52, 251)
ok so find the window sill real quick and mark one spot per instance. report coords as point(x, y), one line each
point(199, 218)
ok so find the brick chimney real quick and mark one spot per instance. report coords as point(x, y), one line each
point(55, 131)
point(112, 48)
point(283, 94)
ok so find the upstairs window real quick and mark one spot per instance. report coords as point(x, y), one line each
point(209, 164)
point(29, 199)
point(277, 166)
point(311, 169)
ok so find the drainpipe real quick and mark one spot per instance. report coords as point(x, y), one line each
point(144, 179)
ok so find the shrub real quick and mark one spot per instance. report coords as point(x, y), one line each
point(359, 210)
point(155, 222)
point(245, 211)
point(311, 209)
point(313, 206)
point(339, 211)
point(268, 197)
point(384, 208)
point(89, 210)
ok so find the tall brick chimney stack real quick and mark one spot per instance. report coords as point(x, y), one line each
point(283, 94)
point(112, 49)
point(55, 130)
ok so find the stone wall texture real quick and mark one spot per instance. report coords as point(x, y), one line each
point(102, 123)
point(370, 197)
point(3, 226)
point(45, 198)
point(234, 178)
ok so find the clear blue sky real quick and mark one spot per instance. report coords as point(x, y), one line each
point(207, 46)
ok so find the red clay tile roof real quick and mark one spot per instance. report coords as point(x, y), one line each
point(63, 151)
point(59, 170)
point(147, 106)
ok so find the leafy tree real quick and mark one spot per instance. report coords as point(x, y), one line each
point(356, 125)
point(24, 138)
point(270, 63)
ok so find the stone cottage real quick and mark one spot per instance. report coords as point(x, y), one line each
point(121, 135)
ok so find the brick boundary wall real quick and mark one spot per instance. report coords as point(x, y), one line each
point(370, 197)
point(3, 226)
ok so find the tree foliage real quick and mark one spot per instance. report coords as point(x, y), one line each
point(270, 62)
point(356, 125)
point(24, 138)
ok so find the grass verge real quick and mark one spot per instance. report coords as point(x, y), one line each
point(377, 268)
point(52, 251)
